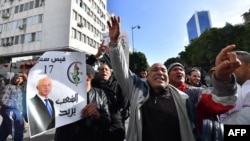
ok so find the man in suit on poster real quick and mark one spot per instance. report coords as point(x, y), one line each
point(41, 108)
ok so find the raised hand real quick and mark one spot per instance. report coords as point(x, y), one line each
point(226, 62)
point(114, 29)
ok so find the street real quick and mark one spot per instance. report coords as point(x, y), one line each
point(48, 136)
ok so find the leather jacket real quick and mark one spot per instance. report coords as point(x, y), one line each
point(88, 129)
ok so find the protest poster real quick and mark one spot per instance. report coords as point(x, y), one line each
point(62, 77)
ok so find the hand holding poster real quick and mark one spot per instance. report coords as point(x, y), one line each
point(56, 90)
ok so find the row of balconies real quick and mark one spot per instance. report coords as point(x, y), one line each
point(81, 24)
point(7, 44)
point(6, 15)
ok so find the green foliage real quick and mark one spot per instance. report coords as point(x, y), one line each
point(201, 52)
point(137, 60)
point(171, 60)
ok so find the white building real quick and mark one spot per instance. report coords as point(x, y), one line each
point(31, 27)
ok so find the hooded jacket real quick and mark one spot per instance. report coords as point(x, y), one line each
point(11, 95)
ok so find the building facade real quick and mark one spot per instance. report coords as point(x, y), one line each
point(197, 24)
point(31, 27)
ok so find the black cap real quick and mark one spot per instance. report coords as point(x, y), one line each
point(90, 70)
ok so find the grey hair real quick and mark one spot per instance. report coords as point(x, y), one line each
point(244, 56)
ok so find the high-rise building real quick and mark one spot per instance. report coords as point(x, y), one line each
point(198, 23)
point(31, 27)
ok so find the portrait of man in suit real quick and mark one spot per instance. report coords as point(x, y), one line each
point(41, 109)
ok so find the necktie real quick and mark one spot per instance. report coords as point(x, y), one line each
point(48, 107)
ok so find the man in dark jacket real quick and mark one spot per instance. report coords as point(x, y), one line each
point(95, 116)
point(118, 105)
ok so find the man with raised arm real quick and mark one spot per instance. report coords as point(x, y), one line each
point(159, 111)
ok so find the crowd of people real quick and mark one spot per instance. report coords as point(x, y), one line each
point(13, 104)
point(161, 102)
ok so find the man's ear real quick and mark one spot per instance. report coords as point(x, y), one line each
point(90, 77)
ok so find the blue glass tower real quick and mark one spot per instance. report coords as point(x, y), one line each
point(197, 24)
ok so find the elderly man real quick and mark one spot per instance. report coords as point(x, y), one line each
point(41, 109)
point(159, 111)
point(95, 116)
point(118, 105)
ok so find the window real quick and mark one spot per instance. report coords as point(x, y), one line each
point(30, 20)
point(33, 37)
point(12, 10)
point(32, 5)
point(42, 2)
point(9, 26)
point(38, 36)
point(83, 38)
point(7, 41)
point(21, 8)
point(16, 9)
point(79, 19)
point(27, 38)
point(91, 42)
point(22, 39)
point(84, 21)
point(14, 25)
point(20, 22)
point(88, 11)
point(74, 15)
point(91, 28)
point(84, 7)
point(87, 40)
point(26, 6)
point(8, 11)
point(4, 41)
point(94, 44)
point(81, 3)
point(4, 27)
point(88, 25)
point(16, 40)
point(79, 36)
point(11, 41)
point(73, 33)
point(24, 21)
point(37, 3)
